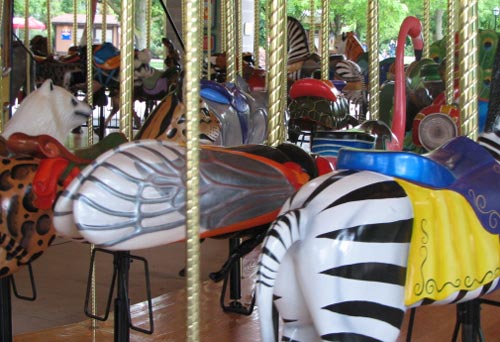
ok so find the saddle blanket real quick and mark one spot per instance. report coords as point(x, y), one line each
point(450, 250)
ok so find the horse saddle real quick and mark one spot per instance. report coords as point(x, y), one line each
point(225, 94)
point(106, 57)
point(228, 94)
point(460, 165)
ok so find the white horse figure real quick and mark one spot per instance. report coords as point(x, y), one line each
point(50, 110)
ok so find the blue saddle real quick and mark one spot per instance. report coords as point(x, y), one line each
point(460, 165)
point(228, 94)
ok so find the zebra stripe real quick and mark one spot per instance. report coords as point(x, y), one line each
point(300, 223)
point(347, 233)
point(491, 142)
point(298, 47)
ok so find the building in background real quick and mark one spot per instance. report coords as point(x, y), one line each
point(63, 30)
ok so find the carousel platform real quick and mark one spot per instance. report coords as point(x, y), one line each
point(169, 310)
point(169, 320)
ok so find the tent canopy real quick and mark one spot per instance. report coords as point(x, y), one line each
point(34, 24)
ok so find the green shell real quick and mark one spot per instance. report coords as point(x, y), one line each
point(308, 110)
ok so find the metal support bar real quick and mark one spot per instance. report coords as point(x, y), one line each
point(122, 304)
point(5, 310)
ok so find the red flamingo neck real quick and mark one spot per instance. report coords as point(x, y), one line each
point(412, 27)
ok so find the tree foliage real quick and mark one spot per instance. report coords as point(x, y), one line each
point(346, 15)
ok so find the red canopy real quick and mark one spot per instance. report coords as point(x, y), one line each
point(18, 23)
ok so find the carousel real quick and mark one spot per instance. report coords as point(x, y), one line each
point(376, 201)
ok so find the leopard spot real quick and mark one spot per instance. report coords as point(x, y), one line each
point(29, 199)
point(36, 256)
point(27, 232)
point(5, 181)
point(43, 225)
point(4, 271)
point(23, 171)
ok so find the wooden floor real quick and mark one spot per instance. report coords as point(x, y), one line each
point(432, 324)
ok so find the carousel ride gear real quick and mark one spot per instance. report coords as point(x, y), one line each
point(291, 275)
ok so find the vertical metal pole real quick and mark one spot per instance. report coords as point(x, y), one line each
point(312, 24)
point(223, 26)
point(90, 87)
point(373, 75)
point(191, 29)
point(277, 21)
point(90, 121)
point(239, 37)
point(284, 73)
point(325, 16)
point(468, 24)
point(427, 27)
point(450, 54)
point(256, 30)
point(75, 22)
point(5, 310)
point(49, 29)
point(104, 21)
point(27, 43)
point(148, 23)
point(231, 42)
point(126, 67)
point(209, 35)
point(122, 305)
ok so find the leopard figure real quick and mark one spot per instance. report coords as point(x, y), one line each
point(25, 230)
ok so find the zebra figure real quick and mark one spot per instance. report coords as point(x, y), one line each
point(336, 259)
point(350, 251)
point(355, 88)
point(301, 62)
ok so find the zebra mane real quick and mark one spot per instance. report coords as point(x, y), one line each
point(298, 46)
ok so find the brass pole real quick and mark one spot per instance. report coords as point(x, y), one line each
point(427, 27)
point(27, 43)
point(468, 23)
point(223, 25)
point(283, 23)
point(193, 55)
point(373, 43)
point(325, 16)
point(90, 122)
point(104, 20)
point(450, 54)
point(256, 30)
point(75, 23)
point(209, 35)
point(239, 37)
point(276, 23)
point(126, 67)
point(312, 25)
point(230, 43)
point(49, 29)
point(148, 23)
point(90, 86)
